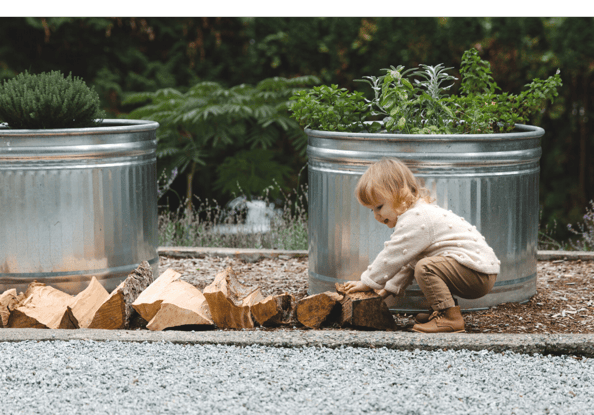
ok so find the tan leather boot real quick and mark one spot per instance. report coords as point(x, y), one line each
point(422, 318)
point(445, 321)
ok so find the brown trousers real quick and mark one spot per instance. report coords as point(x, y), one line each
point(439, 277)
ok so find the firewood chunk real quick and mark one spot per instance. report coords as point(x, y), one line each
point(8, 302)
point(274, 310)
point(366, 310)
point(87, 302)
point(229, 301)
point(149, 301)
point(115, 312)
point(182, 304)
point(43, 307)
point(313, 310)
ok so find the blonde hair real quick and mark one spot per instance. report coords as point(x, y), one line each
point(390, 180)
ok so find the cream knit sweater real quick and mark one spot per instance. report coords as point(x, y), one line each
point(422, 231)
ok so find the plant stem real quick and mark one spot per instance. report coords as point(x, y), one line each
point(189, 191)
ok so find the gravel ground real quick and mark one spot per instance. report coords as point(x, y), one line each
point(129, 378)
point(564, 302)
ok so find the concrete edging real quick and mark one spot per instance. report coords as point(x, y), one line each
point(245, 254)
point(252, 255)
point(556, 344)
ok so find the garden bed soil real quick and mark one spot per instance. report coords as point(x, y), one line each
point(564, 300)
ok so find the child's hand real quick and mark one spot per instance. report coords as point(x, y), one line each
point(384, 294)
point(356, 286)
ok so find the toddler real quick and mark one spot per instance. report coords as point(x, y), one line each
point(444, 253)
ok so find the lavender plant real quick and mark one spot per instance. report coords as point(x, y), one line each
point(584, 231)
point(209, 224)
point(164, 183)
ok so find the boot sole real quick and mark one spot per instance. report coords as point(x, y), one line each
point(457, 331)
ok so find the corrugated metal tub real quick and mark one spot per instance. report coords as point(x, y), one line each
point(77, 203)
point(491, 180)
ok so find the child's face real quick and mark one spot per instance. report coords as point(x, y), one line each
point(385, 213)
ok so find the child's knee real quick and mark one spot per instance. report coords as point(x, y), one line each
point(425, 265)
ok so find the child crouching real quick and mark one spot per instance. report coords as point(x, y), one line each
point(443, 252)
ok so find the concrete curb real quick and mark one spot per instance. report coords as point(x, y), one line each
point(253, 255)
point(565, 256)
point(555, 344)
point(245, 254)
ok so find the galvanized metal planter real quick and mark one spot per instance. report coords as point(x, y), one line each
point(77, 203)
point(491, 180)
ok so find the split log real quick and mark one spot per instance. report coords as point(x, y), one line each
point(313, 310)
point(8, 302)
point(274, 310)
point(87, 302)
point(229, 301)
point(183, 304)
point(115, 312)
point(44, 307)
point(366, 310)
point(149, 301)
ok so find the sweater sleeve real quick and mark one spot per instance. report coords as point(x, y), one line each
point(400, 281)
point(412, 235)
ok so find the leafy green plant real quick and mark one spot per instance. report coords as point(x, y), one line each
point(330, 108)
point(48, 100)
point(416, 101)
point(209, 120)
point(413, 108)
point(480, 110)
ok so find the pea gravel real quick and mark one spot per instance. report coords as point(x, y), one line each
point(113, 377)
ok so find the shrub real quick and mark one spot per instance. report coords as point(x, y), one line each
point(48, 100)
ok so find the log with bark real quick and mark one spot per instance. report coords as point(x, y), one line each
point(313, 310)
point(43, 307)
point(8, 302)
point(366, 310)
point(230, 301)
point(274, 310)
point(116, 310)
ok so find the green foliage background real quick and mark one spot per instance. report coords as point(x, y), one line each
point(123, 55)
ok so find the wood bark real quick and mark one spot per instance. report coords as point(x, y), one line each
point(87, 302)
point(8, 301)
point(182, 305)
point(365, 310)
point(43, 307)
point(115, 312)
point(149, 301)
point(229, 301)
point(274, 310)
point(313, 310)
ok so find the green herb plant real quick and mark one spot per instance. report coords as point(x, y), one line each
point(48, 100)
point(330, 108)
point(416, 101)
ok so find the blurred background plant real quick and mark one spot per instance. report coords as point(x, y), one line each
point(209, 224)
point(584, 231)
point(237, 133)
point(120, 55)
